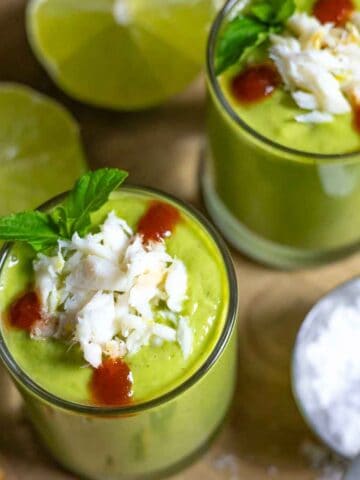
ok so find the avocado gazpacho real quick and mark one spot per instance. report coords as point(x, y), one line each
point(110, 312)
point(284, 130)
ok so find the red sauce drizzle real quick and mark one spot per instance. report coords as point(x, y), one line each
point(255, 83)
point(111, 383)
point(335, 11)
point(158, 222)
point(25, 312)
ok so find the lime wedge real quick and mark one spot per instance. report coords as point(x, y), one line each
point(121, 54)
point(40, 149)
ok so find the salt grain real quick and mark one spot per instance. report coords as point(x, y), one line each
point(328, 465)
point(327, 370)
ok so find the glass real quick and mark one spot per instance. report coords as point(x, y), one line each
point(280, 206)
point(147, 440)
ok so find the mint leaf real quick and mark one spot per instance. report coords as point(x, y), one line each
point(91, 191)
point(249, 30)
point(262, 38)
point(240, 34)
point(285, 9)
point(273, 11)
point(263, 11)
point(34, 228)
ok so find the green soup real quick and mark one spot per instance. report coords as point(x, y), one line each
point(284, 193)
point(156, 370)
point(178, 403)
point(274, 117)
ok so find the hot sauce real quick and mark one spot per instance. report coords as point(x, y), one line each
point(25, 312)
point(255, 83)
point(111, 383)
point(158, 222)
point(334, 11)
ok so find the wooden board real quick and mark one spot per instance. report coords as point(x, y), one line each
point(264, 435)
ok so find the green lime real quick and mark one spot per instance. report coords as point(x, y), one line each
point(40, 149)
point(121, 54)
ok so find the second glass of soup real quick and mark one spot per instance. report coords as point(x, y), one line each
point(284, 192)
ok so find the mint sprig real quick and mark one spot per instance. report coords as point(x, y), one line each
point(90, 192)
point(43, 230)
point(251, 29)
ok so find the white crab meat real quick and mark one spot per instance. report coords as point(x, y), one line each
point(96, 326)
point(47, 270)
point(185, 336)
point(104, 290)
point(318, 64)
point(96, 273)
point(176, 286)
point(116, 234)
point(315, 117)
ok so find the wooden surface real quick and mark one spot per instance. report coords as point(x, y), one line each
point(264, 435)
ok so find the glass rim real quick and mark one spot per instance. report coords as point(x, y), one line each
point(25, 380)
point(212, 77)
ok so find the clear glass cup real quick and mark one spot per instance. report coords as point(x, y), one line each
point(148, 440)
point(280, 206)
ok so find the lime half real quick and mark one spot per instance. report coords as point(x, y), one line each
point(121, 54)
point(40, 149)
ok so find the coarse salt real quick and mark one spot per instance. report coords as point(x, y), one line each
point(327, 373)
